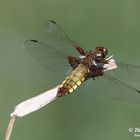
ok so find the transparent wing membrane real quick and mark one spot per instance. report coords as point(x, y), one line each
point(126, 72)
point(112, 88)
point(51, 59)
point(57, 38)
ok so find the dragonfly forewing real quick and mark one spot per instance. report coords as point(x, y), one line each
point(126, 72)
point(57, 38)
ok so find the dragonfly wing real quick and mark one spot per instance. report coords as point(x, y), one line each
point(58, 39)
point(126, 72)
point(110, 87)
point(51, 58)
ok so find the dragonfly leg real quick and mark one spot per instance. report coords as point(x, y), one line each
point(95, 72)
point(73, 61)
point(80, 50)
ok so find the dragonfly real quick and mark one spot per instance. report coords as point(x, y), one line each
point(60, 54)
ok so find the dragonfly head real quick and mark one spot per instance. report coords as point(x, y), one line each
point(101, 51)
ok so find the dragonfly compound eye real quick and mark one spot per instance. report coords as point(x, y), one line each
point(102, 50)
point(105, 51)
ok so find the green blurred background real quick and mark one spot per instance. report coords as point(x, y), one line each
point(114, 24)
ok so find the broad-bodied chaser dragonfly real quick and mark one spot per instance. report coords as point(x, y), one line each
point(60, 50)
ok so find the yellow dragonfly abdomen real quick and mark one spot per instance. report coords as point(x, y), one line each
point(74, 80)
